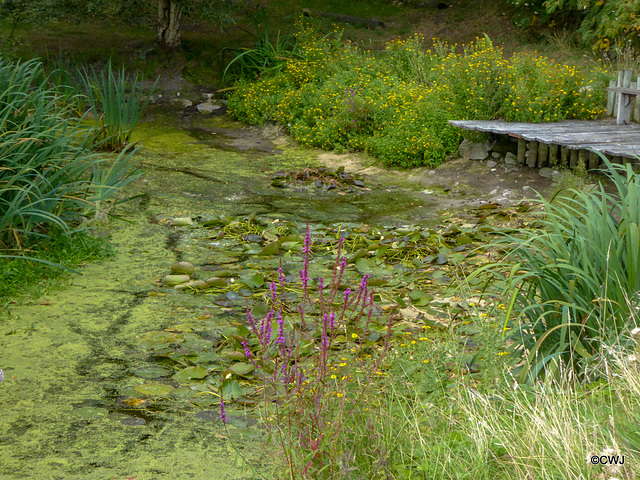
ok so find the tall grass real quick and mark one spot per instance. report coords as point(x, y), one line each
point(116, 104)
point(50, 178)
point(576, 277)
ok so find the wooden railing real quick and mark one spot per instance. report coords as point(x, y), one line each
point(622, 100)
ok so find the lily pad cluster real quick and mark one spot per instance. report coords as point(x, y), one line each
point(415, 272)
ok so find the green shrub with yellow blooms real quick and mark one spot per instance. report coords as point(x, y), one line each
point(396, 104)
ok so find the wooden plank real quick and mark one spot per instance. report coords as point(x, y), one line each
point(573, 159)
point(522, 151)
point(543, 155)
point(594, 160)
point(583, 158)
point(564, 156)
point(617, 95)
point(602, 135)
point(553, 154)
point(611, 97)
point(636, 108)
point(533, 154)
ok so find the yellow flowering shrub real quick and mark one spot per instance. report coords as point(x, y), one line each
point(396, 104)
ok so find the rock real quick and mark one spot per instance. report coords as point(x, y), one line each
point(474, 151)
point(183, 267)
point(358, 183)
point(206, 107)
point(510, 159)
point(496, 155)
point(195, 284)
point(548, 172)
point(172, 280)
point(319, 183)
point(181, 222)
point(491, 164)
point(218, 282)
point(186, 103)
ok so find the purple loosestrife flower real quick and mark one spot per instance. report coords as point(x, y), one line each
point(247, 351)
point(274, 292)
point(281, 275)
point(265, 331)
point(332, 320)
point(280, 340)
point(223, 413)
point(252, 323)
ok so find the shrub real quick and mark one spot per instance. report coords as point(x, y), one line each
point(49, 175)
point(396, 105)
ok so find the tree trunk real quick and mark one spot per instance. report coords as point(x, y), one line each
point(169, 14)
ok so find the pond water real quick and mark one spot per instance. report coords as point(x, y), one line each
point(90, 388)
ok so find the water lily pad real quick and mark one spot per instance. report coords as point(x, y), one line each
point(191, 373)
point(152, 372)
point(254, 281)
point(242, 368)
point(232, 296)
point(232, 389)
point(154, 389)
point(271, 249)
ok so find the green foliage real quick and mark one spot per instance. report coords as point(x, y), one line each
point(396, 105)
point(576, 280)
point(602, 24)
point(50, 178)
point(116, 101)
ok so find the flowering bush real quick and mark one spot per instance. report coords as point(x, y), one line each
point(396, 105)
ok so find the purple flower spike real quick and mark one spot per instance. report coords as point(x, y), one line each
point(332, 321)
point(347, 292)
point(223, 413)
point(247, 351)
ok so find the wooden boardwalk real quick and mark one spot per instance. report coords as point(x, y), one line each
point(565, 143)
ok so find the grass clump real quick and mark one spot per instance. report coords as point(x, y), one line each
point(51, 179)
point(574, 284)
point(396, 104)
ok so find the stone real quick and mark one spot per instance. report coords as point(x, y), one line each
point(496, 155)
point(172, 280)
point(181, 222)
point(183, 267)
point(206, 107)
point(510, 159)
point(548, 172)
point(474, 151)
point(491, 164)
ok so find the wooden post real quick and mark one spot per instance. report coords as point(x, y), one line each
point(573, 159)
point(543, 155)
point(611, 99)
point(522, 151)
point(533, 154)
point(594, 160)
point(564, 156)
point(617, 97)
point(553, 155)
point(636, 110)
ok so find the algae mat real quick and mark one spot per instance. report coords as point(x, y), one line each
point(68, 360)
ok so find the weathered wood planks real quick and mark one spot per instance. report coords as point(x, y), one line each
point(603, 136)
